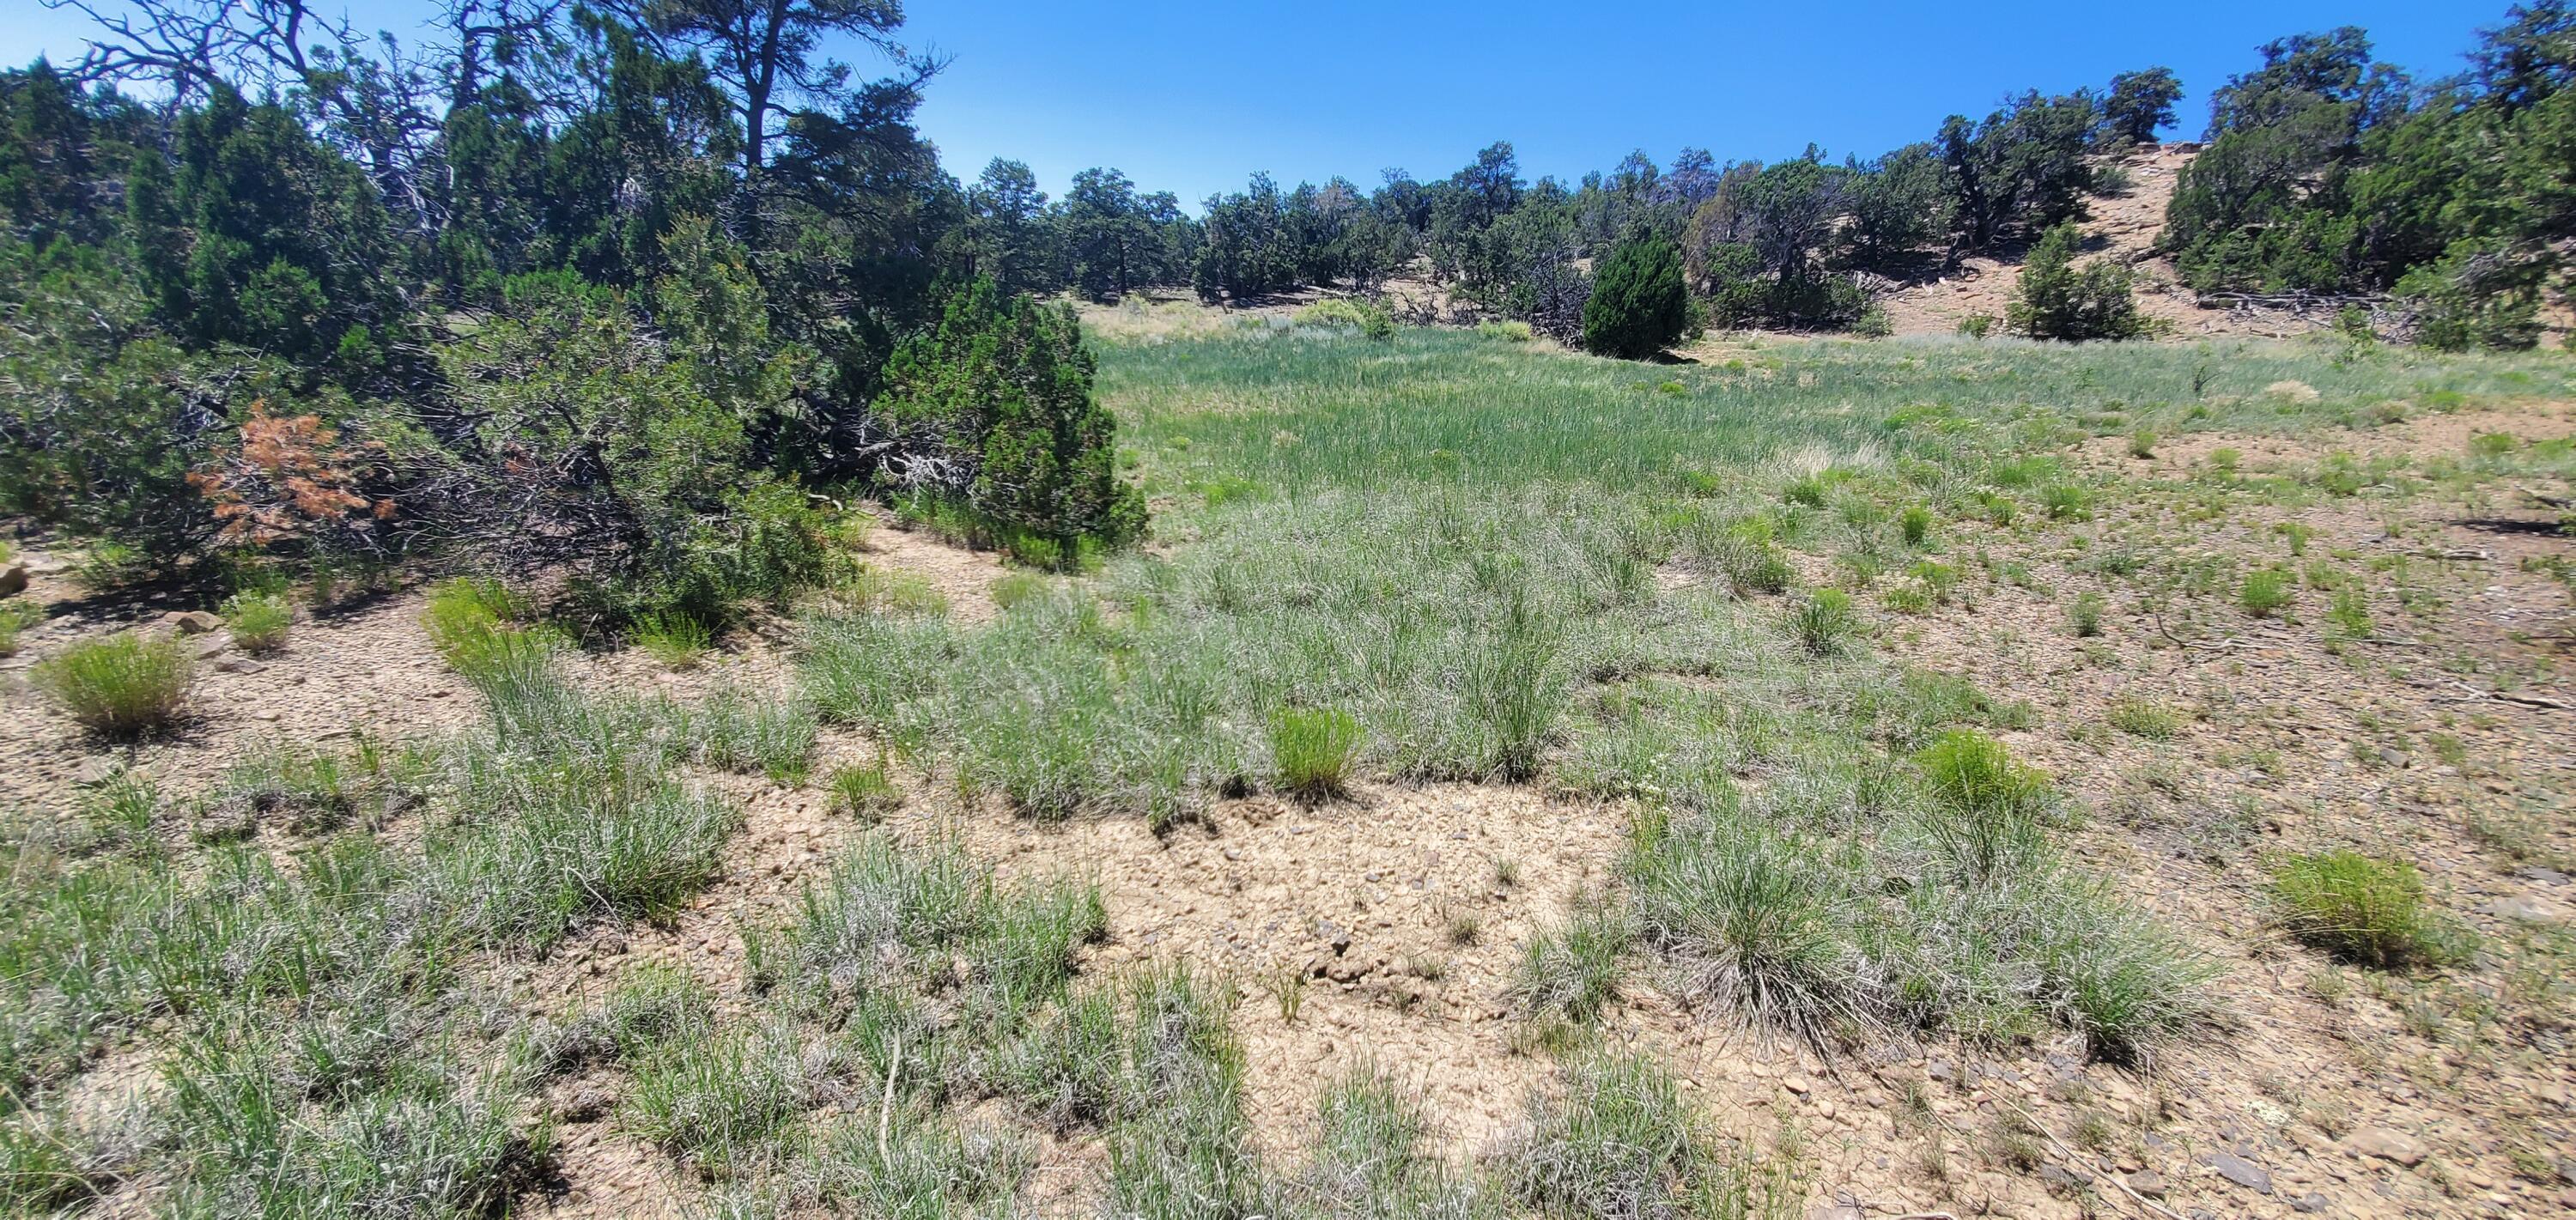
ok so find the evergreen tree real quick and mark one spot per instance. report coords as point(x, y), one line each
point(1638, 306)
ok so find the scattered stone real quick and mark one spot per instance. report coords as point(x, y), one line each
point(2059, 1177)
point(13, 580)
point(238, 665)
point(97, 769)
point(2385, 1144)
point(265, 714)
point(1335, 935)
point(2148, 1183)
point(1940, 1069)
point(191, 622)
point(2524, 909)
point(1796, 1084)
point(2237, 1169)
point(587, 1104)
point(2309, 1202)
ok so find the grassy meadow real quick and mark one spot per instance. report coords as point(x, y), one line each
point(1670, 589)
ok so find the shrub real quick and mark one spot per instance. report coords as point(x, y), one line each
point(463, 611)
point(1511, 331)
point(1976, 326)
point(1822, 621)
point(1001, 389)
point(2142, 443)
point(2266, 592)
point(1873, 323)
point(2056, 301)
point(2363, 909)
point(1638, 306)
point(122, 686)
point(1366, 317)
point(1313, 749)
point(259, 621)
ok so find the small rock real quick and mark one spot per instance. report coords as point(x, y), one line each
point(264, 715)
point(2060, 1177)
point(1796, 1084)
point(1940, 1069)
point(2309, 1202)
point(96, 769)
point(587, 1104)
point(2148, 1183)
point(1335, 935)
point(238, 665)
point(2237, 1169)
point(13, 580)
point(191, 622)
point(2385, 1144)
point(2525, 910)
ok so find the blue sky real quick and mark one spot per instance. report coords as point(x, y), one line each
point(1191, 97)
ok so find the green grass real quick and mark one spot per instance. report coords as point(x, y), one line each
point(2365, 910)
point(674, 638)
point(2266, 592)
point(123, 686)
point(1312, 750)
point(1572, 973)
point(864, 791)
point(16, 616)
point(259, 621)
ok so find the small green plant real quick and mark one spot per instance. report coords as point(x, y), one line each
point(1822, 621)
point(674, 638)
point(1368, 318)
point(1313, 749)
point(1020, 587)
point(865, 792)
point(2365, 910)
point(2139, 718)
point(122, 686)
point(2224, 461)
point(1977, 325)
point(16, 616)
point(2084, 614)
point(259, 621)
point(1573, 973)
point(1915, 523)
point(2142, 443)
point(2066, 502)
point(2350, 615)
point(1873, 323)
point(464, 612)
point(2265, 592)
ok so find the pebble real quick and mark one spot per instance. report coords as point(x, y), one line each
point(2385, 1144)
point(2237, 1169)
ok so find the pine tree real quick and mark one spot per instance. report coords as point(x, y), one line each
point(1638, 307)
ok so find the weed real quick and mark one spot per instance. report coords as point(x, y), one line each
point(16, 616)
point(2139, 718)
point(1313, 749)
point(674, 638)
point(259, 621)
point(1822, 621)
point(867, 792)
point(2365, 910)
point(2066, 502)
point(2349, 614)
point(2265, 592)
point(1915, 524)
point(123, 686)
point(2084, 614)
point(1572, 973)
point(2142, 443)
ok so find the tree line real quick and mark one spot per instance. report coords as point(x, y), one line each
point(270, 287)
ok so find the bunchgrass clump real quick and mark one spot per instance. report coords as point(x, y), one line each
point(2265, 592)
point(1572, 973)
point(1988, 810)
point(2141, 718)
point(864, 791)
point(676, 639)
point(1313, 750)
point(123, 686)
point(16, 615)
point(259, 621)
point(2084, 614)
point(2364, 909)
point(1371, 1157)
point(1822, 622)
point(464, 611)
point(1619, 1140)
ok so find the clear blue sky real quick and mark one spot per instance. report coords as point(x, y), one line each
point(1192, 96)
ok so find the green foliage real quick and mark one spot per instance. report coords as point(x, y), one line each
point(2266, 592)
point(1002, 389)
point(1638, 303)
point(673, 638)
point(2084, 614)
point(1822, 621)
point(2364, 909)
point(1313, 749)
point(2057, 301)
point(864, 791)
point(124, 685)
point(16, 615)
point(1367, 317)
point(1572, 973)
point(259, 621)
point(1990, 807)
point(2139, 104)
